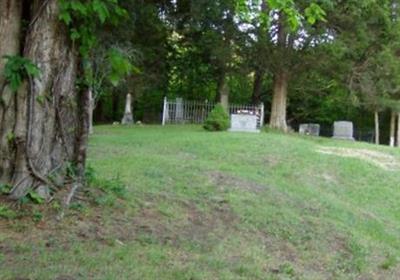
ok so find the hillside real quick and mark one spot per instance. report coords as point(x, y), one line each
point(205, 205)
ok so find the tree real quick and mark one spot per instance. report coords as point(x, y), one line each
point(209, 34)
point(374, 53)
point(42, 124)
point(44, 108)
point(285, 30)
point(107, 65)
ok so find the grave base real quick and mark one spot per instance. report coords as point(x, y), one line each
point(244, 130)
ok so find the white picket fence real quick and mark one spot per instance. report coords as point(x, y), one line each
point(179, 111)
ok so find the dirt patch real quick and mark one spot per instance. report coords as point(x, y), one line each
point(382, 160)
point(200, 226)
point(199, 223)
point(227, 182)
point(271, 161)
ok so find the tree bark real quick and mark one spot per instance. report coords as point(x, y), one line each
point(116, 98)
point(91, 110)
point(41, 124)
point(398, 129)
point(392, 129)
point(223, 92)
point(279, 102)
point(10, 26)
point(377, 135)
point(281, 79)
point(257, 86)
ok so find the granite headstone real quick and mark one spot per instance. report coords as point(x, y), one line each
point(343, 130)
point(244, 123)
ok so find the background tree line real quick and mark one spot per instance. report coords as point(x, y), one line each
point(322, 61)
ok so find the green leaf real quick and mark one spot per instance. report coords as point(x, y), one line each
point(101, 9)
point(74, 34)
point(65, 17)
point(120, 66)
point(35, 198)
point(5, 189)
point(78, 7)
point(18, 68)
point(314, 13)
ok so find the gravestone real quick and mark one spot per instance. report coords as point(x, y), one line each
point(128, 118)
point(179, 110)
point(309, 129)
point(244, 123)
point(343, 130)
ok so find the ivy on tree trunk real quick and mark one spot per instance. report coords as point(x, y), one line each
point(43, 125)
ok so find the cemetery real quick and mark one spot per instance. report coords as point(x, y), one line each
point(199, 140)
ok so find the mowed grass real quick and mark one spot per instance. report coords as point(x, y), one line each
point(203, 205)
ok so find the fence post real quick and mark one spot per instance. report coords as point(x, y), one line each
point(164, 116)
point(262, 115)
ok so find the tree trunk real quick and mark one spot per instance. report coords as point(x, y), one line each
point(116, 98)
point(223, 92)
point(281, 79)
point(279, 102)
point(91, 110)
point(392, 129)
point(398, 129)
point(42, 125)
point(257, 86)
point(377, 136)
point(10, 26)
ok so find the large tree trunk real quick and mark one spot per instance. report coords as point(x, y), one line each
point(377, 134)
point(42, 125)
point(10, 26)
point(392, 129)
point(281, 79)
point(257, 86)
point(279, 100)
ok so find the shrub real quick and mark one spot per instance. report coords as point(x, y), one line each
point(217, 120)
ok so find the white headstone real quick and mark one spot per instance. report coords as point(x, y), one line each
point(128, 118)
point(343, 130)
point(309, 129)
point(244, 123)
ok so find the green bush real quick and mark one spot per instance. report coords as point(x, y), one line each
point(218, 119)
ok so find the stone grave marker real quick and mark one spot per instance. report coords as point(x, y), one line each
point(128, 117)
point(244, 123)
point(312, 129)
point(343, 130)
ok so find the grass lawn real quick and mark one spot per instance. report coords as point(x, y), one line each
point(203, 205)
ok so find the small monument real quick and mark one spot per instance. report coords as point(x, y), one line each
point(128, 118)
point(244, 123)
point(312, 129)
point(343, 130)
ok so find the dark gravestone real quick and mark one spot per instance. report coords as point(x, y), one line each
point(343, 130)
point(309, 129)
